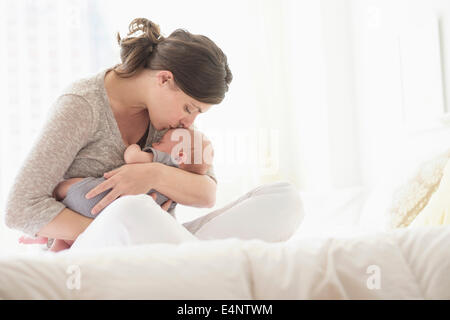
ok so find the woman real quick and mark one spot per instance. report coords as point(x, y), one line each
point(161, 83)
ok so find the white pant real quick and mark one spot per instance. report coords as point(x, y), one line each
point(271, 212)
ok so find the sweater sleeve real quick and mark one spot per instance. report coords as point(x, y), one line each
point(30, 204)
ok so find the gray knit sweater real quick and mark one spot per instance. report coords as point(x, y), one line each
point(80, 138)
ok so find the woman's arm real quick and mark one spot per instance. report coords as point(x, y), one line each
point(30, 204)
point(67, 225)
point(184, 187)
point(138, 178)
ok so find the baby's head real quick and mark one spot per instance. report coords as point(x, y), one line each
point(189, 148)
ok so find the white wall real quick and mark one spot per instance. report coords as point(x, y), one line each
point(399, 86)
point(340, 95)
point(323, 97)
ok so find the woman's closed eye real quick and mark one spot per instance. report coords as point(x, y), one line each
point(187, 109)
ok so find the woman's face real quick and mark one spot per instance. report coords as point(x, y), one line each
point(170, 107)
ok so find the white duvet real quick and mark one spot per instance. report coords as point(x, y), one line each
point(400, 264)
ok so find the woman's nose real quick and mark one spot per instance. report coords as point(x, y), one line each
point(188, 121)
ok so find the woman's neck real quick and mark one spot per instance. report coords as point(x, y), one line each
point(124, 95)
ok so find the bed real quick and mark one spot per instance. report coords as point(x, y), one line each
point(401, 264)
point(332, 256)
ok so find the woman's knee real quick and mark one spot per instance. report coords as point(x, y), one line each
point(291, 196)
point(291, 210)
point(126, 207)
point(290, 204)
point(275, 188)
point(284, 192)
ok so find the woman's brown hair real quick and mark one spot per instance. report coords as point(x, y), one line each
point(199, 66)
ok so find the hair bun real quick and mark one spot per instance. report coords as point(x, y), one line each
point(198, 65)
point(150, 29)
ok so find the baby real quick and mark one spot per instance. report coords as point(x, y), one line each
point(177, 148)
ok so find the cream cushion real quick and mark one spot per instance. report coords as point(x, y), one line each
point(411, 197)
point(437, 211)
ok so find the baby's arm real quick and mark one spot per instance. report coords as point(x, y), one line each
point(134, 154)
point(60, 191)
point(77, 201)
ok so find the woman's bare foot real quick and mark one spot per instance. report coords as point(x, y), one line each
point(30, 240)
point(134, 154)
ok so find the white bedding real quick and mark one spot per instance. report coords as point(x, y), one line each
point(405, 263)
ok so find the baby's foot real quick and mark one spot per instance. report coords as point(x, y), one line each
point(59, 245)
point(134, 154)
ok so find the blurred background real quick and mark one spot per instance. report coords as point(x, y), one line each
point(326, 94)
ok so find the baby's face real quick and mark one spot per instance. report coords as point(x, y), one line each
point(166, 144)
point(180, 139)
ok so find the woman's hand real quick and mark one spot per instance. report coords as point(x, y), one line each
point(129, 179)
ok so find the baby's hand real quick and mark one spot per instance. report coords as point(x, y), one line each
point(130, 153)
point(60, 245)
point(134, 154)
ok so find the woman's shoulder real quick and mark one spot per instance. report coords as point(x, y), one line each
point(82, 85)
point(90, 88)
